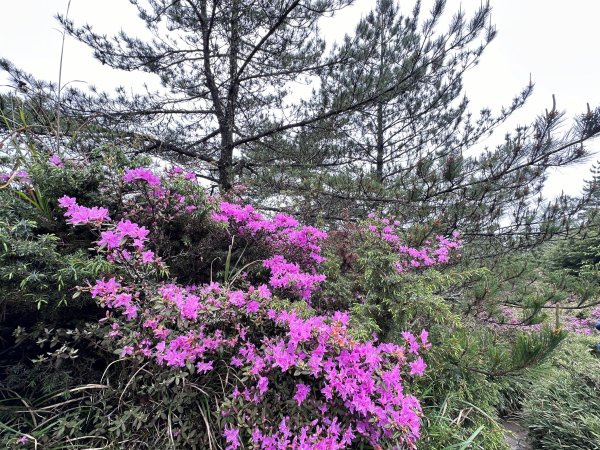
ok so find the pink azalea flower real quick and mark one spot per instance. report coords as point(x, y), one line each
point(264, 291)
point(56, 161)
point(148, 257)
point(127, 350)
point(109, 238)
point(203, 367)
point(141, 174)
point(302, 391)
point(67, 202)
point(417, 367)
point(232, 438)
point(252, 306)
point(263, 385)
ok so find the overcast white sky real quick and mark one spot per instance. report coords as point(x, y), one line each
point(554, 41)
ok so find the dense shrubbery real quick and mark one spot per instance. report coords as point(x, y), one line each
point(250, 329)
point(139, 309)
point(141, 303)
point(558, 401)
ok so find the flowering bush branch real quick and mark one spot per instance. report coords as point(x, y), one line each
point(343, 392)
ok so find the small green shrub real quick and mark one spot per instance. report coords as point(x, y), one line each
point(562, 408)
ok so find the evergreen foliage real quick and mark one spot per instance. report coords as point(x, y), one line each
point(145, 303)
point(387, 128)
point(561, 407)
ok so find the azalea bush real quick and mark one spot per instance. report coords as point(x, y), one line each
point(398, 278)
point(356, 387)
point(199, 309)
point(277, 364)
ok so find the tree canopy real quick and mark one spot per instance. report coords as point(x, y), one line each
point(387, 126)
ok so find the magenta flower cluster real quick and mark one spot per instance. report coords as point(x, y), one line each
point(513, 320)
point(141, 174)
point(585, 326)
point(160, 201)
point(210, 325)
point(289, 275)
point(433, 253)
point(344, 392)
point(296, 249)
point(123, 241)
point(82, 215)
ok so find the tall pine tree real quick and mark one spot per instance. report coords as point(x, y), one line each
point(416, 151)
point(228, 69)
point(387, 128)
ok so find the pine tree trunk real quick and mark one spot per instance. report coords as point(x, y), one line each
point(225, 164)
point(380, 145)
point(226, 157)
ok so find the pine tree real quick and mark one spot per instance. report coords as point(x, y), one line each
point(225, 68)
point(387, 128)
point(415, 152)
point(228, 69)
